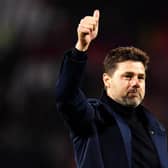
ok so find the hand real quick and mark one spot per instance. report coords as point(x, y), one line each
point(87, 30)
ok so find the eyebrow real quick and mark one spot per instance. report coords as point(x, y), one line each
point(132, 73)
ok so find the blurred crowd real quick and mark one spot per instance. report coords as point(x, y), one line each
point(34, 34)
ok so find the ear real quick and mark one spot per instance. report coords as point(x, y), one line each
point(106, 80)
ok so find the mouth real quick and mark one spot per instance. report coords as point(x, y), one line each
point(133, 93)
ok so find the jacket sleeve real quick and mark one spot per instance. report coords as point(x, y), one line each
point(71, 101)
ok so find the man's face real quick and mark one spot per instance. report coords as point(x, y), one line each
point(126, 85)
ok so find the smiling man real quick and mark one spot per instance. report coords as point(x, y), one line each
point(116, 130)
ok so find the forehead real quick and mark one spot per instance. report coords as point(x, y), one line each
point(131, 66)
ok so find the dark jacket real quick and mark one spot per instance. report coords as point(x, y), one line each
point(101, 138)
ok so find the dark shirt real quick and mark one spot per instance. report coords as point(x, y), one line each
point(144, 154)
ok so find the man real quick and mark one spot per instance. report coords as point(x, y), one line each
point(115, 131)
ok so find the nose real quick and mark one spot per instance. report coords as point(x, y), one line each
point(135, 82)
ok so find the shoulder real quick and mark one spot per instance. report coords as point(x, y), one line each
point(95, 102)
point(153, 119)
point(102, 113)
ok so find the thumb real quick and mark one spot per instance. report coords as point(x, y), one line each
point(96, 14)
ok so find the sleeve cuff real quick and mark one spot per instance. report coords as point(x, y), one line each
point(79, 55)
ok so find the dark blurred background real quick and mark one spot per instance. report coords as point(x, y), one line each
point(34, 34)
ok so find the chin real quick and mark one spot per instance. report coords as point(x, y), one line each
point(132, 103)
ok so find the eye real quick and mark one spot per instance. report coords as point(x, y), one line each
point(141, 77)
point(128, 76)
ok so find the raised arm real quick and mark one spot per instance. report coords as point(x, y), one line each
point(70, 99)
point(74, 62)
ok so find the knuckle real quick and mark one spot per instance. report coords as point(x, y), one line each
point(81, 20)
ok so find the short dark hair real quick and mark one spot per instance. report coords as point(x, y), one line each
point(121, 54)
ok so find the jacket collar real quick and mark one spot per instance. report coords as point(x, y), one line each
point(153, 124)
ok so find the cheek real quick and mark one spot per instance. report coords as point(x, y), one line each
point(122, 87)
point(119, 86)
point(143, 86)
point(142, 89)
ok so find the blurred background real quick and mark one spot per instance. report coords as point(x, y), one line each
point(34, 34)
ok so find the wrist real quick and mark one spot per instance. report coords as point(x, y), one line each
point(81, 47)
